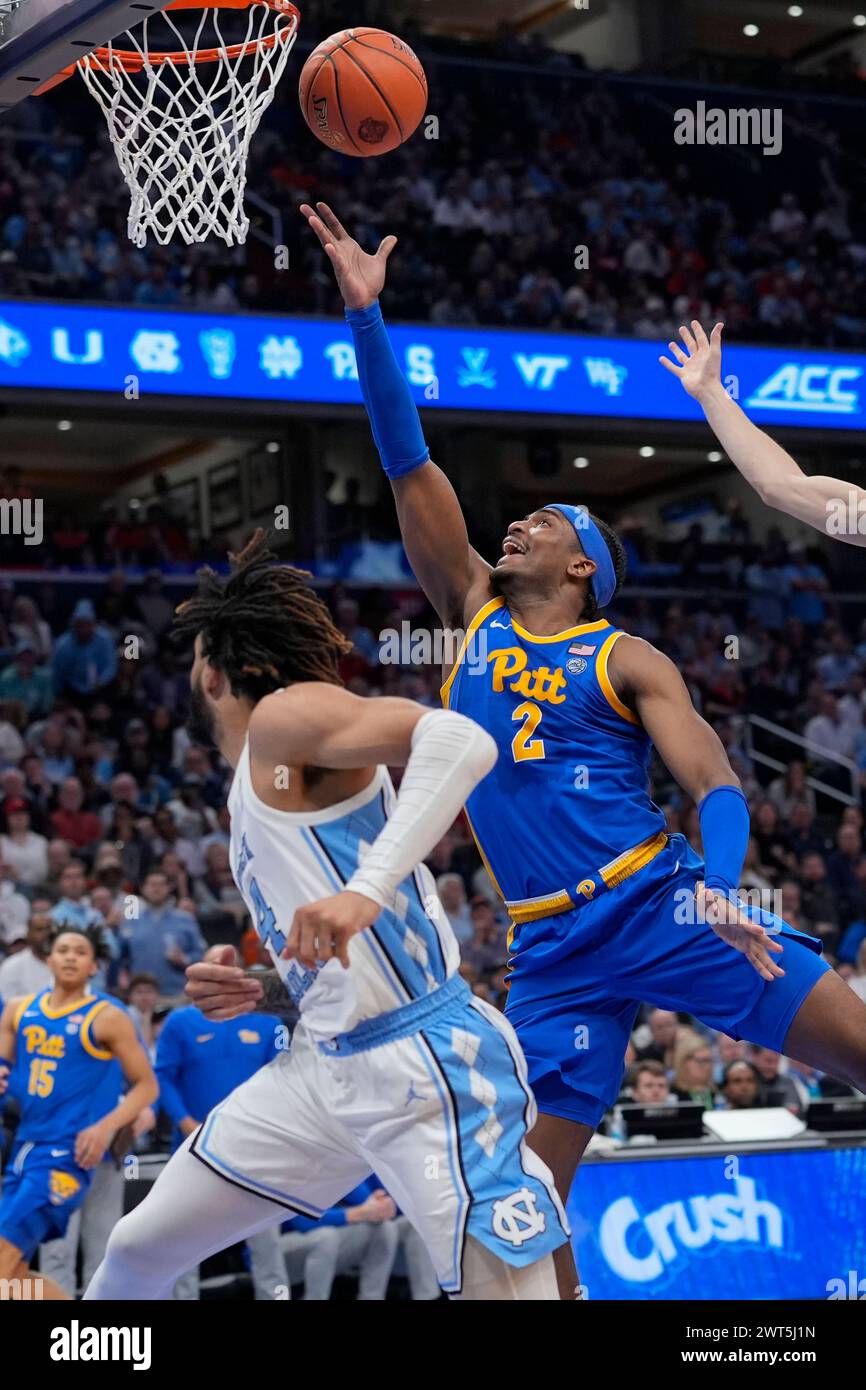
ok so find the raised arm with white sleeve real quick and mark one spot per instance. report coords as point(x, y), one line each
point(450, 755)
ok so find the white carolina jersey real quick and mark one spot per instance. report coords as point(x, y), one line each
point(282, 860)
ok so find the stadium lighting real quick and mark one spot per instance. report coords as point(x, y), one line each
point(272, 447)
point(581, 463)
point(714, 456)
point(647, 452)
point(64, 424)
point(795, 11)
point(860, 20)
point(751, 31)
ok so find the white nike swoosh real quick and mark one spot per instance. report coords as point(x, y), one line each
point(59, 1153)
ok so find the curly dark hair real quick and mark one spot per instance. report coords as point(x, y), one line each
point(264, 626)
point(95, 935)
point(591, 610)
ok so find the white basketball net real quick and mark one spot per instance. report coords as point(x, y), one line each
point(181, 130)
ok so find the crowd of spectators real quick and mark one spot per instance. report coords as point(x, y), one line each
point(671, 1063)
point(489, 224)
point(108, 812)
point(110, 815)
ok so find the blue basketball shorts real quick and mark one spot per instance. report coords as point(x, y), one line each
point(42, 1187)
point(579, 978)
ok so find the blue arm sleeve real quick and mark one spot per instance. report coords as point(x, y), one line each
point(393, 415)
point(334, 1216)
point(725, 824)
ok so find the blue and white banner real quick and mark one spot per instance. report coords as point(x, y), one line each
point(781, 1225)
point(171, 352)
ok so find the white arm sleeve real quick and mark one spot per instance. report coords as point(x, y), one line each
point(450, 755)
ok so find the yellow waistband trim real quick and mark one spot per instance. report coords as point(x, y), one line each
point(616, 872)
point(627, 864)
point(531, 908)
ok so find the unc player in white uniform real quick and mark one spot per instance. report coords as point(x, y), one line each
point(396, 1066)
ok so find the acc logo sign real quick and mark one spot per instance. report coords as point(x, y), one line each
point(516, 1218)
point(811, 388)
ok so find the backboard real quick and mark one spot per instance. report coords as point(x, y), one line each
point(38, 38)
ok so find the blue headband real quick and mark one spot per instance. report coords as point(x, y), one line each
point(594, 545)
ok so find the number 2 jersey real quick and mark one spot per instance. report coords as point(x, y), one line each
point(282, 860)
point(569, 795)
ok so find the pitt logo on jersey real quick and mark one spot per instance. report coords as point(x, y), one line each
point(37, 1040)
point(542, 684)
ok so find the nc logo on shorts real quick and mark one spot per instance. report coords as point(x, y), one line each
point(516, 1219)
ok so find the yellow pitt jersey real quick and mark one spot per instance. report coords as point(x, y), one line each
point(59, 1069)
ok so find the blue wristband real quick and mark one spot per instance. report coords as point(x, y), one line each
point(725, 828)
point(393, 414)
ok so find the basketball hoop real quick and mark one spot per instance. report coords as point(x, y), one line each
point(181, 112)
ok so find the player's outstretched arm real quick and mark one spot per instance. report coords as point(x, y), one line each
point(650, 684)
point(825, 503)
point(445, 757)
point(453, 576)
point(320, 725)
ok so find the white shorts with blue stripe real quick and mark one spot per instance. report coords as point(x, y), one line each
point(432, 1098)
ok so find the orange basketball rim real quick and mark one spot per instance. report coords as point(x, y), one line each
point(107, 57)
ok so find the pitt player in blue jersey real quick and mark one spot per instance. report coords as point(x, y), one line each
point(56, 1048)
point(608, 910)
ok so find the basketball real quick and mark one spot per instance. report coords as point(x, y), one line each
point(363, 92)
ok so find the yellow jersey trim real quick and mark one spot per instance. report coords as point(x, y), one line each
point(495, 882)
point(68, 1009)
point(489, 607)
point(607, 689)
point(19, 1013)
point(618, 870)
point(483, 855)
point(84, 1036)
point(561, 636)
